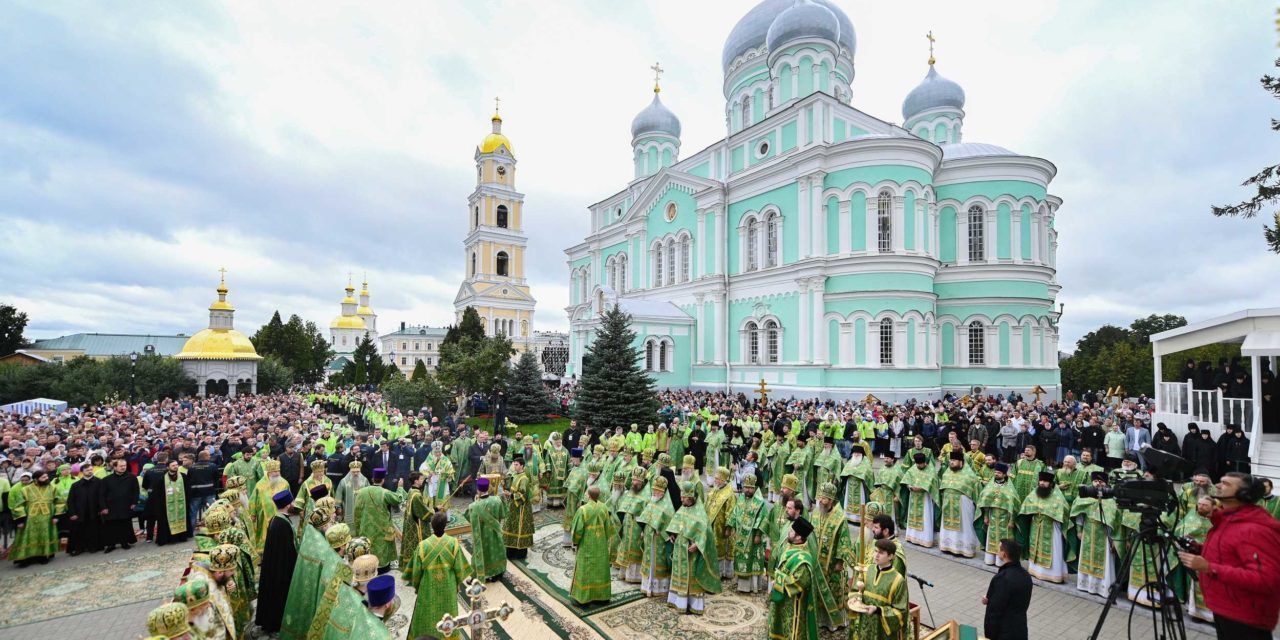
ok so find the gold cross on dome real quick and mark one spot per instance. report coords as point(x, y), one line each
point(657, 76)
point(931, 41)
point(222, 271)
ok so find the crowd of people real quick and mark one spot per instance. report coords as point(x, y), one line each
point(293, 501)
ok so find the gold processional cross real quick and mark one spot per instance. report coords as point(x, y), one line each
point(478, 618)
point(763, 390)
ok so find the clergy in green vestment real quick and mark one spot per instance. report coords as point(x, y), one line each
point(884, 600)
point(1070, 477)
point(857, 476)
point(1000, 505)
point(1195, 525)
point(1098, 529)
point(459, 454)
point(885, 487)
point(959, 491)
point(373, 517)
point(437, 471)
point(792, 599)
point(1201, 486)
point(778, 522)
point(316, 564)
point(436, 569)
point(921, 482)
point(828, 464)
point(748, 523)
point(1026, 471)
point(261, 507)
point(486, 515)
point(241, 465)
point(1142, 570)
point(720, 504)
point(348, 487)
point(1087, 465)
point(1269, 502)
point(694, 563)
point(630, 543)
point(557, 459)
point(835, 552)
point(716, 455)
point(917, 446)
point(655, 545)
point(418, 510)
point(688, 473)
point(593, 528)
point(220, 526)
point(800, 462)
point(780, 452)
point(1051, 537)
point(304, 502)
point(33, 507)
point(517, 529)
point(575, 486)
point(350, 618)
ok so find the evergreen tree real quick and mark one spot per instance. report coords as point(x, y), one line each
point(470, 328)
point(614, 390)
point(473, 365)
point(419, 371)
point(297, 344)
point(12, 324)
point(1267, 183)
point(269, 339)
point(527, 399)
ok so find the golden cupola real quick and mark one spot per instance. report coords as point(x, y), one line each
point(348, 319)
point(220, 341)
point(496, 139)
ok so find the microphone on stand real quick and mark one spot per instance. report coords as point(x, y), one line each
point(922, 581)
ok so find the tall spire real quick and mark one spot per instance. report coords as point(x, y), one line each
point(931, 41)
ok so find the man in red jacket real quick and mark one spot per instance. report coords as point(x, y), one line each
point(1240, 569)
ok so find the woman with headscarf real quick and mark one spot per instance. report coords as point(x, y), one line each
point(1203, 453)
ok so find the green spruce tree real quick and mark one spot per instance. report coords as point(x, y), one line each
point(419, 371)
point(614, 390)
point(527, 399)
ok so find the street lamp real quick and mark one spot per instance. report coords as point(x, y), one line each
point(133, 366)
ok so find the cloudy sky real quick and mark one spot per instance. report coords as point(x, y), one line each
point(143, 145)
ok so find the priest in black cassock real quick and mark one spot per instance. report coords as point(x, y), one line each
point(83, 531)
point(118, 495)
point(279, 555)
point(698, 447)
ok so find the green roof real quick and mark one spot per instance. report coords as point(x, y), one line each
point(339, 363)
point(115, 344)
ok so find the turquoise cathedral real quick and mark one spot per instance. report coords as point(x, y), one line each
point(819, 248)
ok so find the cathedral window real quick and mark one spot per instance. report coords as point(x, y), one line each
point(686, 256)
point(671, 261)
point(886, 343)
point(977, 234)
point(773, 342)
point(884, 220)
point(477, 218)
point(662, 356)
point(771, 230)
point(648, 355)
point(657, 266)
point(977, 344)
point(753, 233)
point(502, 216)
point(501, 263)
point(746, 111)
point(473, 264)
point(622, 274)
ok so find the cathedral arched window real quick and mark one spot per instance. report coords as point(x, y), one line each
point(773, 342)
point(977, 344)
point(753, 241)
point(884, 221)
point(501, 263)
point(771, 231)
point(657, 265)
point(648, 355)
point(977, 234)
point(621, 266)
point(662, 355)
point(886, 342)
point(502, 216)
point(746, 112)
point(753, 342)
point(686, 256)
point(477, 218)
point(671, 261)
point(473, 264)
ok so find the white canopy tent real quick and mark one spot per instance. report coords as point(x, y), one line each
point(27, 407)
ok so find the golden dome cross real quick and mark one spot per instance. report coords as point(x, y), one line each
point(497, 102)
point(931, 41)
point(657, 76)
point(222, 271)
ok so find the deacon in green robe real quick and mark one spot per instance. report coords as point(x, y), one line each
point(858, 477)
point(828, 464)
point(1142, 571)
point(835, 552)
point(33, 507)
point(417, 516)
point(1097, 527)
point(655, 544)
point(921, 482)
point(316, 565)
point(886, 489)
point(373, 517)
point(593, 528)
point(575, 486)
point(1201, 486)
point(435, 571)
point(242, 466)
point(1026, 470)
point(350, 618)
point(1195, 525)
point(437, 471)
point(517, 529)
point(630, 543)
point(557, 471)
point(1069, 478)
point(261, 507)
point(459, 454)
point(780, 453)
point(1000, 505)
point(778, 522)
point(719, 505)
point(348, 487)
point(918, 447)
point(748, 522)
point(716, 455)
point(885, 599)
point(694, 563)
point(800, 462)
point(1051, 537)
point(792, 599)
point(303, 502)
point(486, 515)
point(959, 492)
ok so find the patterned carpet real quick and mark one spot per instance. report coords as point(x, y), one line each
point(35, 594)
point(551, 566)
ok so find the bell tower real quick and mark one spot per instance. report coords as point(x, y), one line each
point(494, 248)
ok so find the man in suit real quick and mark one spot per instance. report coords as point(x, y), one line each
point(383, 458)
point(1008, 596)
point(1135, 436)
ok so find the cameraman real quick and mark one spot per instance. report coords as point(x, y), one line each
point(1240, 569)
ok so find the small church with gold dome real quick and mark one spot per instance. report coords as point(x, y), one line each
point(495, 283)
point(355, 322)
point(220, 359)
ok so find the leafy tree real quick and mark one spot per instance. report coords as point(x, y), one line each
point(1267, 183)
point(1105, 336)
point(470, 327)
point(527, 399)
point(473, 365)
point(1143, 328)
point(614, 390)
point(419, 371)
point(298, 345)
point(273, 375)
point(268, 340)
point(12, 324)
point(407, 395)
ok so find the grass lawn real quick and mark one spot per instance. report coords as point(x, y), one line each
point(541, 430)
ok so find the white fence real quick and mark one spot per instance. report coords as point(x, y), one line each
point(1181, 404)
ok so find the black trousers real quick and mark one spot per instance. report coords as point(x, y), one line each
point(1229, 629)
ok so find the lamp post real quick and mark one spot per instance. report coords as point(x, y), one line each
point(133, 367)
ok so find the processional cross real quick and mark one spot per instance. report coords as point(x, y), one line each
point(763, 391)
point(478, 618)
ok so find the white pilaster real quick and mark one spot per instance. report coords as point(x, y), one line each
point(698, 324)
point(1015, 233)
point(806, 225)
point(806, 306)
point(961, 358)
point(720, 251)
point(991, 351)
point(900, 338)
point(1036, 224)
point(873, 344)
point(919, 220)
point(819, 215)
point(846, 227)
point(989, 237)
point(822, 344)
point(699, 253)
point(846, 345)
point(962, 238)
point(718, 320)
point(873, 226)
point(1015, 346)
point(900, 229)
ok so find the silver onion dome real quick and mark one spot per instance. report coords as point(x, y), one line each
point(655, 118)
point(932, 92)
point(752, 30)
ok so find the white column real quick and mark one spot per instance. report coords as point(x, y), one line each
point(873, 226)
point(900, 229)
point(1037, 335)
point(1051, 348)
point(822, 340)
point(231, 389)
point(935, 229)
point(699, 252)
point(1159, 376)
point(919, 220)
point(806, 234)
point(722, 251)
point(802, 131)
point(962, 238)
point(991, 350)
point(846, 345)
point(962, 345)
point(1015, 346)
point(698, 324)
point(718, 327)
point(1036, 224)
point(819, 215)
point(921, 339)
point(846, 227)
point(873, 344)
point(989, 238)
point(1015, 233)
point(806, 308)
point(645, 264)
point(900, 338)
point(1255, 432)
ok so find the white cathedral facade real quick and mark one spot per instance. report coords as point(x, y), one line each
point(820, 248)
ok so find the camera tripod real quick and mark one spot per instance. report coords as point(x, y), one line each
point(1156, 541)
